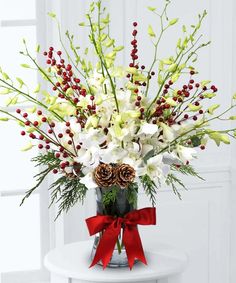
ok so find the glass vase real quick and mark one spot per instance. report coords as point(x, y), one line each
point(119, 208)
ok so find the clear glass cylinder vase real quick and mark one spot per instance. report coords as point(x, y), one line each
point(119, 208)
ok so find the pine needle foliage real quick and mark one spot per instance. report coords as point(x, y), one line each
point(66, 192)
point(150, 188)
point(48, 160)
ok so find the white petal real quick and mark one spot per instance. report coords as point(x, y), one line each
point(88, 181)
point(148, 129)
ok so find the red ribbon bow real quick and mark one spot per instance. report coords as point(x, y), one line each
point(111, 228)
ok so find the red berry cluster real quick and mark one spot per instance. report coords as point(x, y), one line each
point(134, 51)
point(66, 75)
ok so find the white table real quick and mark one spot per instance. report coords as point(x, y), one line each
point(70, 264)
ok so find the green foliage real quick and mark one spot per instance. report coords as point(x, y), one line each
point(150, 188)
point(109, 197)
point(174, 182)
point(186, 170)
point(132, 192)
point(51, 162)
point(66, 192)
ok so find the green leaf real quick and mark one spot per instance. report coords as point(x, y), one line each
point(152, 9)
point(4, 119)
point(20, 82)
point(232, 117)
point(37, 89)
point(204, 83)
point(218, 138)
point(184, 28)
point(234, 96)
point(172, 68)
point(151, 32)
point(173, 22)
point(52, 15)
point(118, 48)
point(37, 48)
point(25, 65)
point(5, 91)
point(28, 147)
point(209, 95)
point(5, 76)
point(211, 109)
point(194, 108)
point(82, 24)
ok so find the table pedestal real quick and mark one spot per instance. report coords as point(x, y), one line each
point(70, 264)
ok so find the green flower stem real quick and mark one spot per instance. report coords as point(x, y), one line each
point(179, 58)
point(118, 244)
point(103, 62)
point(31, 99)
point(156, 45)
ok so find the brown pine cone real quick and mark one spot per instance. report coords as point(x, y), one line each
point(104, 176)
point(125, 175)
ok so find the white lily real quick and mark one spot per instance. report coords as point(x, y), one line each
point(168, 132)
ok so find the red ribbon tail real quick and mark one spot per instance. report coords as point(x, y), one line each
point(106, 246)
point(133, 245)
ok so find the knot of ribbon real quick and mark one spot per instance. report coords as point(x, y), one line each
point(111, 228)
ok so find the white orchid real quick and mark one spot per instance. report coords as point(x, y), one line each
point(186, 153)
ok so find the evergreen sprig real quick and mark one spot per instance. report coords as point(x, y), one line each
point(150, 188)
point(187, 170)
point(48, 160)
point(173, 181)
point(67, 191)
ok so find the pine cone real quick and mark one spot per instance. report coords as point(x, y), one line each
point(125, 175)
point(104, 176)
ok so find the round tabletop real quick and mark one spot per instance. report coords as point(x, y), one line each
point(73, 260)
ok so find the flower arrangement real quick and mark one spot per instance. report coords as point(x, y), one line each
point(99, 125)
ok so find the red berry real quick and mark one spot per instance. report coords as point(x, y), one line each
point(136, 90)
point(202, 147)
point(49, 61)
point(59, 53)
point(32, 136)
point(137, 103)
point(190, 87)
point(192, 72)
point(69, 142)
point(57, 155)
point(197, 85)
point(47, 146)
point(27, 123)
point(142, 67)
point(63, 165)
point(201, 111)
point(78, 147)
point(50, 131)
point(23, 133)
point(45, 53)
point(36, 123)
point(44, 119)
point(18, 111)
point(40, 146)
point(41, 137)
point(68, 124)
point(60, 135)
point(39, 112)
point(141, 110)
point(139, 98)
point(197, 103)
point(25, 115)
point(191, 81)
point(92, 97)
point(153, 73)
point(186, 116)
point(135, 24)
point(135, 32)
point(51, 48)
point(195, 118)
point(55, 171)
point(69, 67)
